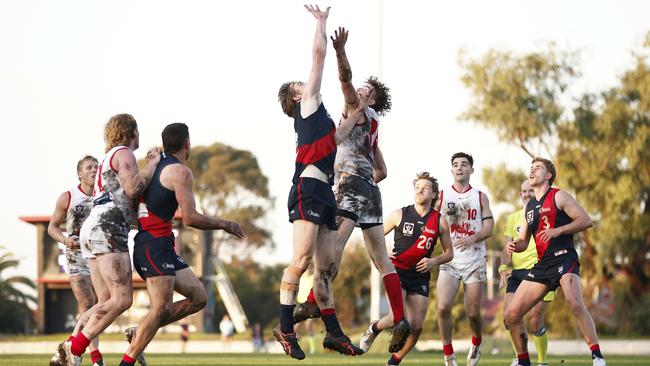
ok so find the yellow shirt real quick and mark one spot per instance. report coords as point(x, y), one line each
point(527, 258)
point(306, 283)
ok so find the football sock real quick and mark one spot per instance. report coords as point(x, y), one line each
point(394, 293)
point(541, 344)
point(331, 322)
point(286, 318)
point(595, 351)
point(95, 356)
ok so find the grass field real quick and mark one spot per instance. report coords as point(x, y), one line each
point(416, 358)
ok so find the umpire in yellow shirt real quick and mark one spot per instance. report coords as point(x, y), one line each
point(514, 269)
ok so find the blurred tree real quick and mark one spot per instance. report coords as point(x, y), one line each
point(15, 314)
point(352, 285)
point(229, 183)
point(601, 150)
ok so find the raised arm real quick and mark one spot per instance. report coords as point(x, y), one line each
point(181, 179)
point(58, 216)
point(311, 97)
point(347, 123)
point(345, 71)
point(133, 181)
point(580, 218)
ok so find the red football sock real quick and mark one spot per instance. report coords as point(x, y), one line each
point(447, 349)
point(128, 359)
point(394, 293)
point(523, 356)
point(310, 297)
point(79, 344)
point(476, 340)
point(95, 356)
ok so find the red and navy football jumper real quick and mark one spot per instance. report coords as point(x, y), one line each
point(311, 199)
point(557, 256)
point(415, 237)
point(154, 253)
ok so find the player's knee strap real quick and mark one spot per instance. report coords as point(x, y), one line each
point(540, 332)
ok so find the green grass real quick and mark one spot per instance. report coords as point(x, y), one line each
point(416, 358)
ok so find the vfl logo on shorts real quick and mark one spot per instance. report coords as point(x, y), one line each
point(560, 252)
point(529, 216)
point(560, 269)
point(531, 275)
point(312, 213)
point(424, 288)
point(408, 228)
point(143, 269)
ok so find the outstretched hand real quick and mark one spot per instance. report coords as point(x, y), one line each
point(317, 13)
point(339, 39)
point(233, 228)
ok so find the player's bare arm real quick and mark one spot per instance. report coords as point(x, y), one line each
point(133, 181)
point(425, 264)
point(311, 97)
point(347, 123)
point(506, 259)
point(182, 180)
point(58, 216)
point(581, 220)
point(486, 227)
point(521, 243)
point(379, 170)
point(392, 221)
point(345, 71)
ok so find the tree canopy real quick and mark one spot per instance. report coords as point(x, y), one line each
point(599, 143)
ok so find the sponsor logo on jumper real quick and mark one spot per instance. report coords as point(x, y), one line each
point(79, 208)
point(544, 209)
point(428, 231)
point(462, 229)
point(560, 252)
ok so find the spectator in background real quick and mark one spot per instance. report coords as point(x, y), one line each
point(259, 343)
point(227, 330)
point(185, 336)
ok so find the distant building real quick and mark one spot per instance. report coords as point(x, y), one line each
point(56, 303)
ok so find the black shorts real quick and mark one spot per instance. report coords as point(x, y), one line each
point(515, 279)
point(156, 257)
point(414, 282)
point(550, 269)
point(312, 200)
point(359, 201)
